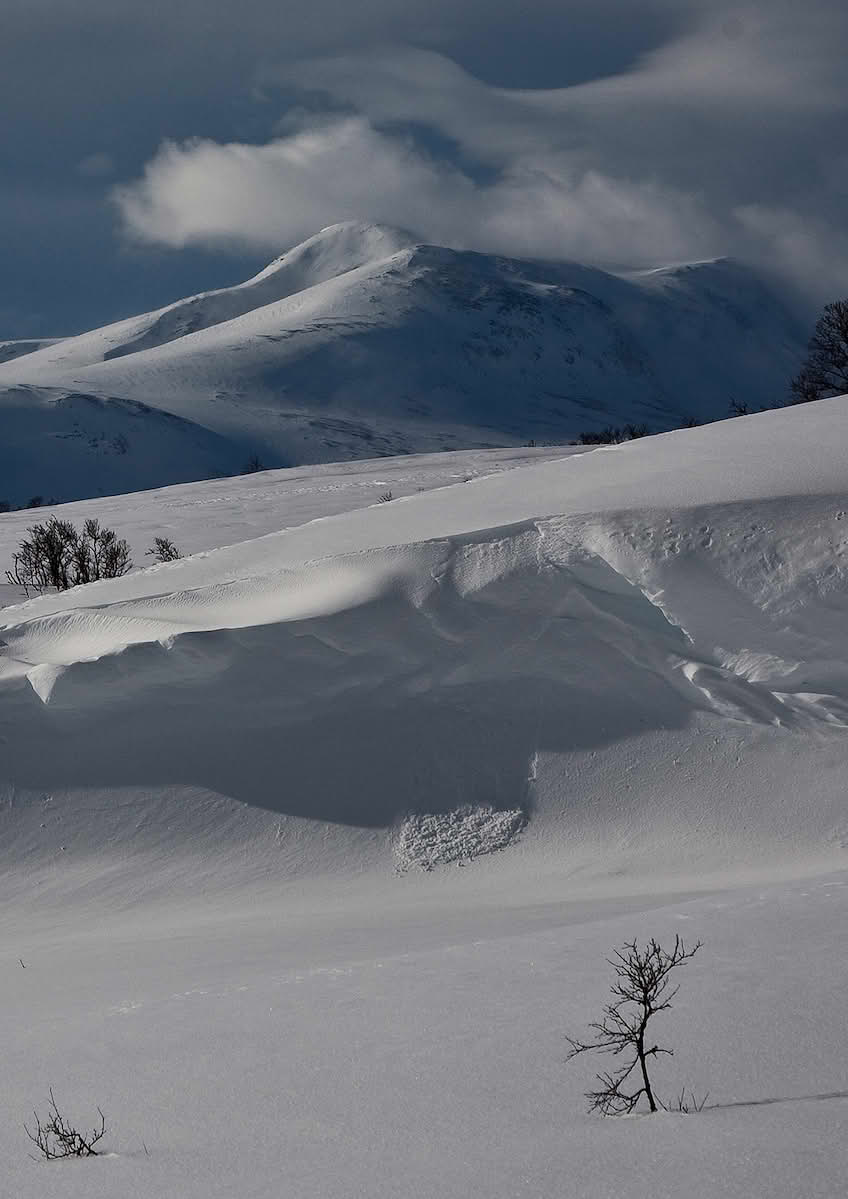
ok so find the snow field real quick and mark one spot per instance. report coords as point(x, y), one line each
point(212, 771)
point(420, 1050)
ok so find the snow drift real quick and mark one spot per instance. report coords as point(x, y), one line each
point(326, 831)
point(639, 648)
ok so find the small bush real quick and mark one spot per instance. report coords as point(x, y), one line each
point(613, 435)
point(55, 1137)
point(385, 498)
point(686, 1107)
point(633, 432)
point(57, 555)
point(163, 550)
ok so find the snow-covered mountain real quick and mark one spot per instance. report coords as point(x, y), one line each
point(361, 341)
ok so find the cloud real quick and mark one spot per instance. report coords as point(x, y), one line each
point(272, 195)
point(813, 253)
point(719, 141)
point(269, 195)
point(611, 130)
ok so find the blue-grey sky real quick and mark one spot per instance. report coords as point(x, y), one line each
point(151, 150)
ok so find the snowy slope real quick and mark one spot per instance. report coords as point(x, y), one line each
point(641, 615)
point(326, 256)
point(225, 511)
point(208, 770)
point(9, 350)
point(361, 341)
point(59, 443)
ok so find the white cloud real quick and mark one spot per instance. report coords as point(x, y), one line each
point(270, 196)
point(720, 141)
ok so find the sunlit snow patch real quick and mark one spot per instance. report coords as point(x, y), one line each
point(432, 839)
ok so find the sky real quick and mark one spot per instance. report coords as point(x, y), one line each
point(154, 150)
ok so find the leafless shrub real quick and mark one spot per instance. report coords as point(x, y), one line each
point(100, 554)
point(640, 992)
point(163, 550)
point(614, 435)
point(55, 1137)
point(685, 1106)
point(385, 498)
point(57, 555)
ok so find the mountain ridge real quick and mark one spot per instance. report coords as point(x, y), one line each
point(363, 340)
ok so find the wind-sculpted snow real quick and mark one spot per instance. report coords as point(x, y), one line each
point(422, 619)
point(361, 342)
point(327, 830)
point(458, 652)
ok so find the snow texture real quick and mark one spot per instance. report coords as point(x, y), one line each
point(436, 838)
point(207, 768)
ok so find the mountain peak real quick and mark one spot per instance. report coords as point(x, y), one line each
point(337, 249)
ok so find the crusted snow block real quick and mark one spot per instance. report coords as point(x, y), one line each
point(425, 840)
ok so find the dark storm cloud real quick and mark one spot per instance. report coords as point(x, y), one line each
point(627, 130)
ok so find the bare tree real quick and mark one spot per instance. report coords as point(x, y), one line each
point(825, 371)
point(641, 991)
point(56, 1138)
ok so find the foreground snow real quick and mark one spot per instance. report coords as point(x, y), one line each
point(414, 1046)
point(237, 791)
